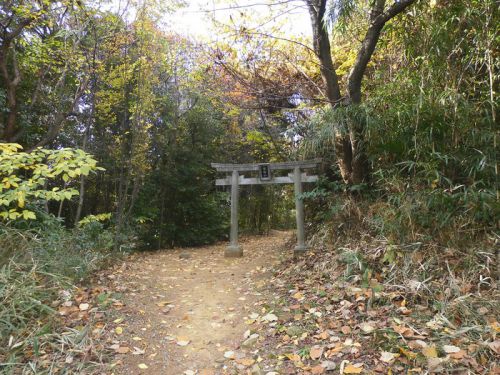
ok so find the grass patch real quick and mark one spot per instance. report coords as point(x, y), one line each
point(38, 272)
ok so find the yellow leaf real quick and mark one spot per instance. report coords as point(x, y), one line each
point(292, 357)
point(119, 330)
point(142, 366)
point(298, 296)
point(407, 353)
point(430, 352)
point(351, 369)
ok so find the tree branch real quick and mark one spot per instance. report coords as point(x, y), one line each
point(378, 20)
point(321, 43)
point(396, 9)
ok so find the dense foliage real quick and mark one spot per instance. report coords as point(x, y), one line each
point(430, 126)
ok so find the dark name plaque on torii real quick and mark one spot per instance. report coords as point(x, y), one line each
point(265, 177)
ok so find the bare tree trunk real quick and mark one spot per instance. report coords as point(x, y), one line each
point(11, 82)
point(82, 178)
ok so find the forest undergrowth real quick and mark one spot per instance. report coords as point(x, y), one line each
point(45, 323)
point(359, 302)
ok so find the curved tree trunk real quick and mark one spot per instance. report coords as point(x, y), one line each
point(349, 144)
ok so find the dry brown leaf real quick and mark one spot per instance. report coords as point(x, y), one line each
point(495, 346)
point(323, 335)
point(458, 355)
point(345, 330)
point(317, 369)
point(402, 330)
point(245, 361)
point(316, 352)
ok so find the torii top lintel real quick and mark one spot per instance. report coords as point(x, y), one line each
point(302, 164)
point(265, 176)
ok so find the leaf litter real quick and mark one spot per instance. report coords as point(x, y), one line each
point(255, 316)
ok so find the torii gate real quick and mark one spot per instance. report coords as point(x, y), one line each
point(265, 178)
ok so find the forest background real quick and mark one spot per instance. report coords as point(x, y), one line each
point(110, 120)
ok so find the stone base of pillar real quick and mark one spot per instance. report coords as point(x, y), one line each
point(233, 252)
point(299, 250)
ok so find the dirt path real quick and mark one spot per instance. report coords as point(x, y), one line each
point(183, 315)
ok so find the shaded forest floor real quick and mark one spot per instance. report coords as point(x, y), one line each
point(192, 311)
point(184, 311)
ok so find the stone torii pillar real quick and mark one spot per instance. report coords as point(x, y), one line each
point(299, 212)
point(234, 250)
point(265, 177)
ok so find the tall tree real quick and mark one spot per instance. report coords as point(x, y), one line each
point(351, 158)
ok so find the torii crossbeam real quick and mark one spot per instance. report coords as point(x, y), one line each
point(265, 177)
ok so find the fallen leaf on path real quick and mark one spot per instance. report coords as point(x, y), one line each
point(388, 357)
point(403, 331)
point(407, 353)
point(367, 328)
point(122, 350)
point(298, 296)
point(270, 317)
point(138, 351)
point(430, 352)
point(450, 349)
point(495, 346)
point(293, 357)
point(345, 330)
point(84, 306)
point(458, 355)
point(323, 335)
point(318, 369)
point(182, 341)
point(229, 354)
point(245, 361)
point(353, 369)
point(119, 330)
point(316, 352)
point(142, 366)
